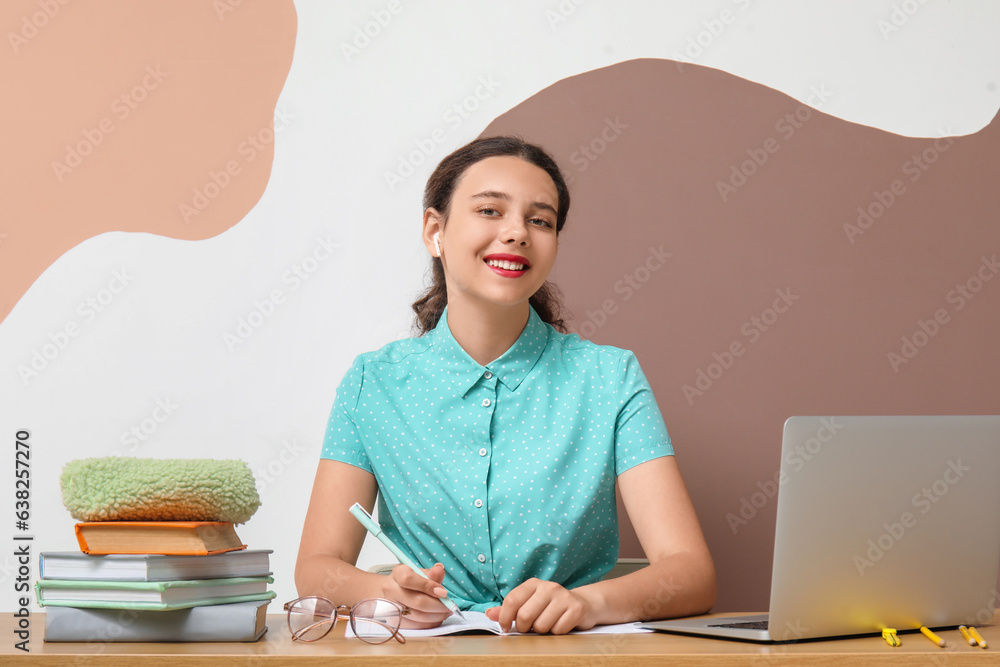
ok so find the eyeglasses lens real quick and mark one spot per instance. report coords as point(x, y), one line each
point(376, 621)
point(311, 618)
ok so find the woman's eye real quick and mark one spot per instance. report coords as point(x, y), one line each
point(488, 211)
point(542, 222)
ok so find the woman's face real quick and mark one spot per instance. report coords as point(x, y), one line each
point(499, 242)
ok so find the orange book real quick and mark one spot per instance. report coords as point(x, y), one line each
point(191, 538)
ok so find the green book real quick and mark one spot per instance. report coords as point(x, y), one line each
point(154, 595)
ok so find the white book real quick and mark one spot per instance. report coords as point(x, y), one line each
point(153, 567)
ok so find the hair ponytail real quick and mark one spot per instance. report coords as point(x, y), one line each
point(431, 303)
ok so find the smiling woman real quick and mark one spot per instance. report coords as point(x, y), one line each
point(497, 244)
point(438, 200)
point(511, 434)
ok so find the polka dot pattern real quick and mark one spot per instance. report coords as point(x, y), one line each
point(503, 472)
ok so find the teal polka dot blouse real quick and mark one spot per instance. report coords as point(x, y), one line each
point(503, 472)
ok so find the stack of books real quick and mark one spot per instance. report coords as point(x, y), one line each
point(155, 581)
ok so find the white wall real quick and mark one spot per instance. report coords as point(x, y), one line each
point(915, 68)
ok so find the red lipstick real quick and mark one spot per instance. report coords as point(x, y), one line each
point(511, 260)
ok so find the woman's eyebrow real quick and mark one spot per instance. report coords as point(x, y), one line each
point(492, 194)
point(496, 194)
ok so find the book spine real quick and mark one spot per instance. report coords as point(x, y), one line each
point(81, 540)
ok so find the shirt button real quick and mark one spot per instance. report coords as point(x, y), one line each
point(482, 558)
point(479, 503)
point(486, 402)
point(487, 375)
point(483, 452)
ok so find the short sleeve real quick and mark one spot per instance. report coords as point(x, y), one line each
point(640, 433)
point(342, 441)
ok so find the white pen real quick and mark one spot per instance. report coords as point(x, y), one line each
point(366, 520)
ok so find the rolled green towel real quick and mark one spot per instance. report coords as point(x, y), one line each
point(132, 489)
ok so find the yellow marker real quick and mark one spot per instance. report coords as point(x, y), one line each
point(933, 637)
point(978, 637)
point(965, 633)
point(889, 635)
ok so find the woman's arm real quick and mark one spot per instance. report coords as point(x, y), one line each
point(680, 579)
point(332, 540)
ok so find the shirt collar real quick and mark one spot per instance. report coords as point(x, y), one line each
point(510, 368)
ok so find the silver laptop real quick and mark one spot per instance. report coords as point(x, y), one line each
point(882, 522)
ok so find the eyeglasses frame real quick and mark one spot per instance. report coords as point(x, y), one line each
point(345, 612)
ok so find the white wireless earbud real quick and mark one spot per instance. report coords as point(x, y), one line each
point(437, 244)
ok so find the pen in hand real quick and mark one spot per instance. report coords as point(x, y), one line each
point(366, 520)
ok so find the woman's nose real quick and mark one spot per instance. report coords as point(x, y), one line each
point(516, 231)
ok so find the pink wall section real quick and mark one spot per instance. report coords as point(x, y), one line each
point(715, 230)
point(134, 116)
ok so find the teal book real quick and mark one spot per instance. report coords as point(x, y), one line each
point(151, 595)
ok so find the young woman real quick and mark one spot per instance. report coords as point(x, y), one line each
point(493, 441)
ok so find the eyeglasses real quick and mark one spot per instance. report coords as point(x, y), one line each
point(374, 620)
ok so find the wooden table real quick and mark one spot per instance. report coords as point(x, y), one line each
point(581, 650)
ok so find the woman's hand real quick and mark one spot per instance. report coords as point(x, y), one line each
point(544, 607)
point(421, 595)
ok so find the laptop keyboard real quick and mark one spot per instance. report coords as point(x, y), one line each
point(745, 625)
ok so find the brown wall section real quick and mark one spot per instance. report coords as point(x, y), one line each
point(133, 116)
point(763, 260)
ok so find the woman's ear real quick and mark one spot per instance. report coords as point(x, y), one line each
point(433, 225)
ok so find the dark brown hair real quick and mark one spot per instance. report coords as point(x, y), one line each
point(437, 195)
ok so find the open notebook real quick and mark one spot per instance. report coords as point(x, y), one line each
point(477, 621)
